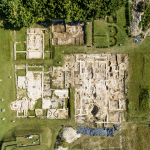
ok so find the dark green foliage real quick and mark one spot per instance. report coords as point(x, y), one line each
point(144, 98)
point(63, 143)
point(128, 13)
point(141, 6)
point(47, 55)
point(92, 32)
point(140, 24)
point(26, 12)
point(113, 39)
point(146, 17)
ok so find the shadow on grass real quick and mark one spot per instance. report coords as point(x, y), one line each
point(8, 26)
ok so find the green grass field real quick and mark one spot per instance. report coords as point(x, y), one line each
point(100, 28)
point(21, 72)
point(20, 56)
point(21, 47)
point(101, 41)
point(47, 55)
point(138, 76)
point(20, 35)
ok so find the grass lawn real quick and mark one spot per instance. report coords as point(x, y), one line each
point(138, 76)
point(89, 33)
point(20, 35)
point(46, 41)
point(21, 47)
point(20, 114)
point(44, 112)
point(121, 26)
point(7, 85)
point(20, 56)
point(110, 19)
point(21, 72)
point(58, 56)
point(31, 112)
point(38, 104)
point(46, 55)
point(112, 31)
point(100, 28)
point(101, 41)
point(46, 68)
point(112, 40)
point(34, 68)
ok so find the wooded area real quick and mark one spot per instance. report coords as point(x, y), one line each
point(20, 13)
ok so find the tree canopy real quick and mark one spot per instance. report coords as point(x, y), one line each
point(21, 13)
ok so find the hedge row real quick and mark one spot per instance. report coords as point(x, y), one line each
point(93, 32)
point(86, 34)
point(128, 13)
point(101, 46)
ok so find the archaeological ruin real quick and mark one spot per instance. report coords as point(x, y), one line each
point(99, 82)
point(67, 33)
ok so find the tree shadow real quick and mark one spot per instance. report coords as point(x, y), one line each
point(9, 26)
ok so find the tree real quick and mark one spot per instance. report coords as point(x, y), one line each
point(21, 13)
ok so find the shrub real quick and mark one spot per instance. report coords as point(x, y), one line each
point(142, 35)
point(63, 143)
point(92, 32)
point(128, 31)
